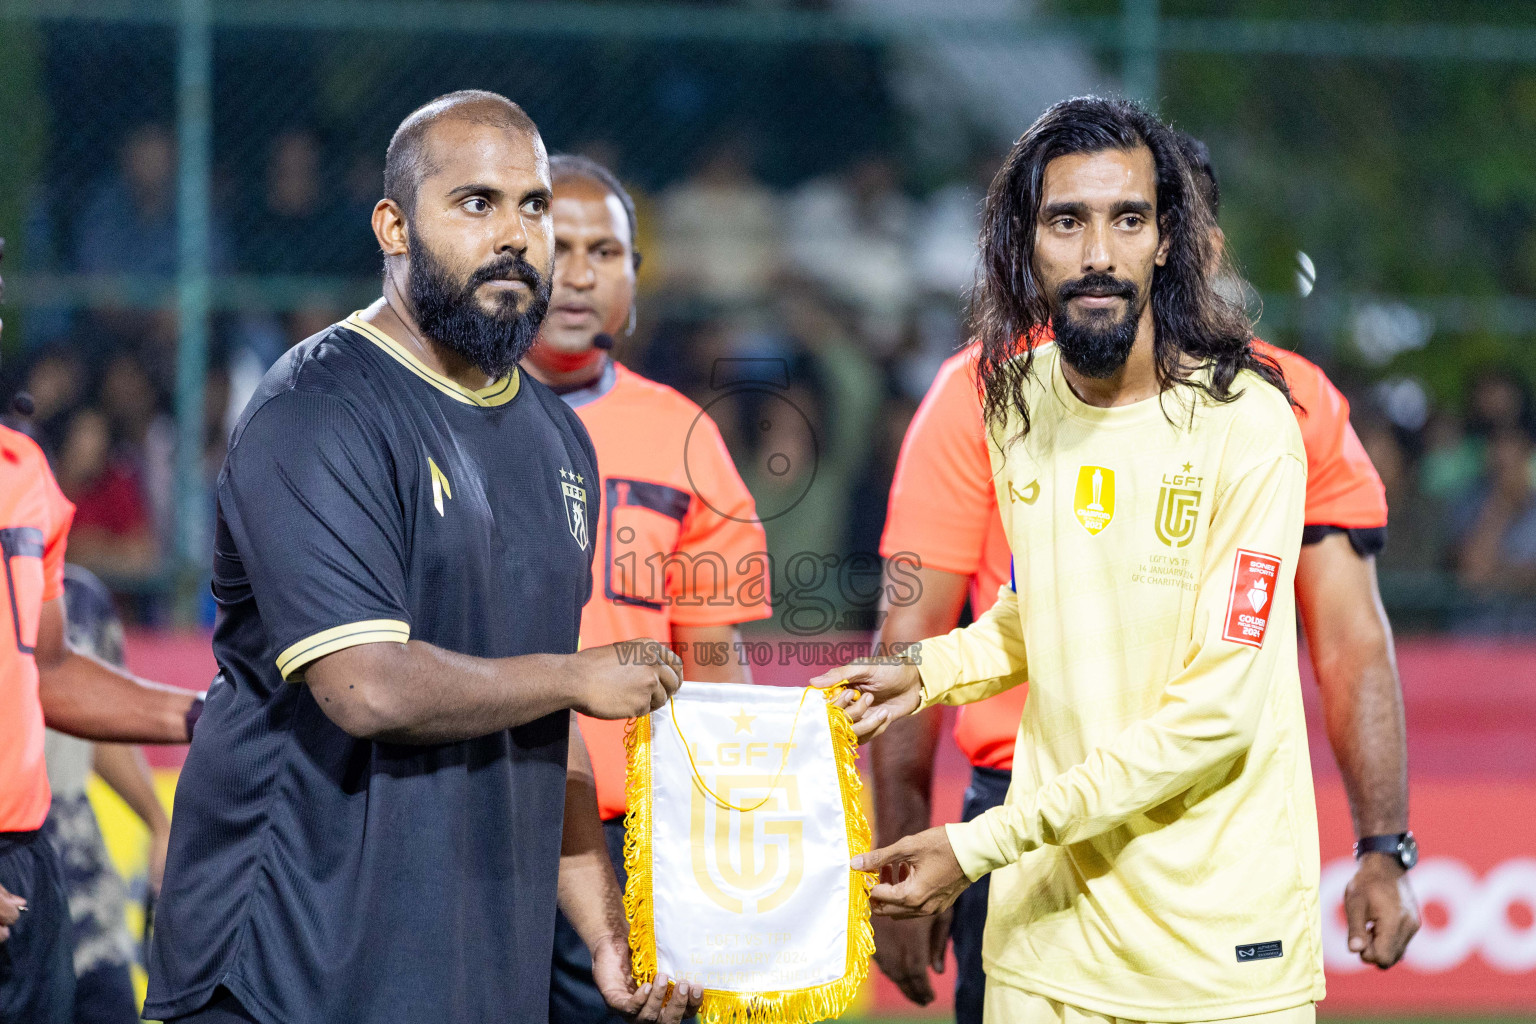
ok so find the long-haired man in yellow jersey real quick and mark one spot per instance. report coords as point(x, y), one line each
point(1156, 857)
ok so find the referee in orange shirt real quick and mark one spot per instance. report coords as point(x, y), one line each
point(943, 509)
point(43, 682)
point(677, 529)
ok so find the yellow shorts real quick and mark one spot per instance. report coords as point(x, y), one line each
point(1008, 1005)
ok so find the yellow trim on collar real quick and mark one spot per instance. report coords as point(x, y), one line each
point(290, 664)
point(498, 393)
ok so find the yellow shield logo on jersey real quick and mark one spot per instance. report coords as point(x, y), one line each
point(1094, 501)
point(1178, 510)
point(744, 859)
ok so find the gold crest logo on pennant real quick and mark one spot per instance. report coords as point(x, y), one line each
point(744, 859)
point(1094, 501)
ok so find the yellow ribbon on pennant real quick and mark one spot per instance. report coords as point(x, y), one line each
point(744, 813)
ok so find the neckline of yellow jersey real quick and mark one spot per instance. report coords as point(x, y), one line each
point(497, 393)
point(1132, 415)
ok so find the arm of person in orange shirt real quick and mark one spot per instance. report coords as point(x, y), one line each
point(903, 766)
point(88, 698)
point(122, 766)
point(1350, 641)
point(699, 647)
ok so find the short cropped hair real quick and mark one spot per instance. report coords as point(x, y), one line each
point(572, 167)
point(406, 162)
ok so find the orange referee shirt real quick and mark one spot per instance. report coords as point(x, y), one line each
point(678, 542)
point(34, 527)
point(943, 508)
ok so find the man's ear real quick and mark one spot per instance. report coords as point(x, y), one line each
point(389, 228)
point(1164, 241)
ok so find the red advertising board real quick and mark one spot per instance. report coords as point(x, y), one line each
point(1472, 754)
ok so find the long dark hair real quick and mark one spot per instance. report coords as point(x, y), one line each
point(1010, 309)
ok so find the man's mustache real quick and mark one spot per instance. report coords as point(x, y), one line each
point(508, 267)
point(1097, 285)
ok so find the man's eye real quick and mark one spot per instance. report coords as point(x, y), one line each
point(1133, 221)
point(536, 207)
point(1065, 223)
point(477, 204)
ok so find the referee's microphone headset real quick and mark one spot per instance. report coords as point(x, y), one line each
point(603, 341)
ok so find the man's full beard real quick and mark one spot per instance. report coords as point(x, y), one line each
point(1095, 345)
point(449, 313)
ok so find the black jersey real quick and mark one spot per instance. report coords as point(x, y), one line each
point(325, 879)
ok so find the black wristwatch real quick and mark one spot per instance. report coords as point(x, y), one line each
point(1402, 846)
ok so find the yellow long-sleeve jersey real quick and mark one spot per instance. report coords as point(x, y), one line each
point(1156, 858)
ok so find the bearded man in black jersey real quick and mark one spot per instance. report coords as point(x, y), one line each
point(387, 799)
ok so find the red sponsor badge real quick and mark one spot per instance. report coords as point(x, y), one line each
point(1254, 578)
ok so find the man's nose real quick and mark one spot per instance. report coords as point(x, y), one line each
point(513, 237)
point(575, 270)
point(1097, 257)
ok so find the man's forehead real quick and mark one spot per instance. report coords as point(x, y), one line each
point(466, 149)
point(588, 207)
point(1109, 175)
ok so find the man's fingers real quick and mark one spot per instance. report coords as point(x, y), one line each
point(655, 1004)
point(872, 725)
point(874, 860)
point(5, 933)
point(1355, 914)
point(899, 899)
point(915, 986)
point(831, 678)
point(1390, 933)
point(659, 696)
point(669, 675)
point(938, 938)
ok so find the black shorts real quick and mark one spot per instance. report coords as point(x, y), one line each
point(37, 963)
point(223, 1008)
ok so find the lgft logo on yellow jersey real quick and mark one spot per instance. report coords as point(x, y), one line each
point(1178, 507)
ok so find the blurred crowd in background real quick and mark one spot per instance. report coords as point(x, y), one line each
point(810, 205)
point(849, 285)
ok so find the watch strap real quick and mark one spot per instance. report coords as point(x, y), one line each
point(1380, 844)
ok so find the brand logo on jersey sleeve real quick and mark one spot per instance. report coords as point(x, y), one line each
point(1028, 495)
point(1094, 501)
point(440, 488)
point(1254, 579)
point(575, 505)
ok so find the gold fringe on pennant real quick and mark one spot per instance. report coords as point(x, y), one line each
point(639, 902)
point(792, 1006)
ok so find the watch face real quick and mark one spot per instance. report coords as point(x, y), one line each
point(1408, 851)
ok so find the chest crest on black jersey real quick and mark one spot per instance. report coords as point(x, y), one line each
point(575, 505)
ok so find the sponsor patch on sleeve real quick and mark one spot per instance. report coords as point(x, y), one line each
point(1254, 577)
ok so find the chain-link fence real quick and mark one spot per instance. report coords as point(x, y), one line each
point(185, 190)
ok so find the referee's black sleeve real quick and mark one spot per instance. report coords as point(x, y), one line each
point(309, 494)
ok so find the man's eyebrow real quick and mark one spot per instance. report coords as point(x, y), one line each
point(475, 189)
point(1065, 209)
point(539, 193)
point(1080, 210)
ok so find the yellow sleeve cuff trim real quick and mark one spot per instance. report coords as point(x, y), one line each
point(291, 662)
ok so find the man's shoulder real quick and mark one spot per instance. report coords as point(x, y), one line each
point(634, 389)
point(20, 452)
point(329, 370)
point(1259, 420)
